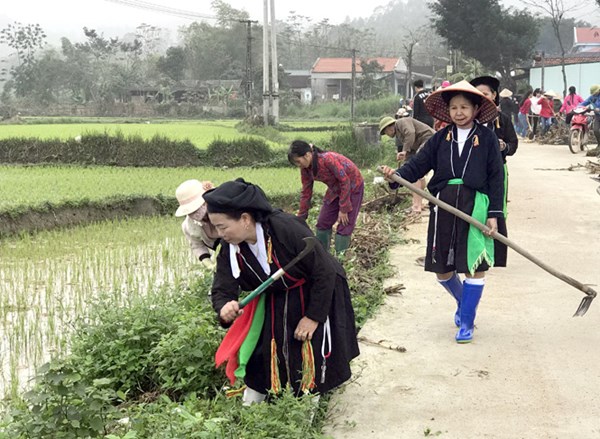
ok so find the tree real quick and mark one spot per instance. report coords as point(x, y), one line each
point(24, 39)
point(409, 45)
point(498, 37)
point(368, 85)
point(556, 10)
point(173, 63)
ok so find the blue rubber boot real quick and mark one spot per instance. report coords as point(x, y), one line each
point(468, 309)
point(324, 237)
point(455, 287)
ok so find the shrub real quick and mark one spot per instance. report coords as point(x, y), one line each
point(184, 358)
point(246, 151)
point(101, 149)
point(356, 149)
point(64, 404)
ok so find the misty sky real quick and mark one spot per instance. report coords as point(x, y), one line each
point(67, 17)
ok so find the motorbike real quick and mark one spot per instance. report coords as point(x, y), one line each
point(581, 125)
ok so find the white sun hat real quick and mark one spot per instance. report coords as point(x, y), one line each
point(189, 194)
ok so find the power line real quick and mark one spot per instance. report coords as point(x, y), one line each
point(140, 4)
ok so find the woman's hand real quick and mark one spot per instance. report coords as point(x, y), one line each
point(401, 156)
point(343, 218)
point(305, 329)
point(492, 224)
point(388, 172)
point(502, 144)
point(230, 311)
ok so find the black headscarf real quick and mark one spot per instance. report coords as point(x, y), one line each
point(237, 196)
point(491, 82)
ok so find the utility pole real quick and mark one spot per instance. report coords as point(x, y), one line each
point(266, 88)
point(274, 68)
point(543, 68)
point(249, 83)
point(353, 84)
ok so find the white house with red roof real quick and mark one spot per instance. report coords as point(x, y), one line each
point(331, 78)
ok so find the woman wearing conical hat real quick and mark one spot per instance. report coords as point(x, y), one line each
point(467, 174)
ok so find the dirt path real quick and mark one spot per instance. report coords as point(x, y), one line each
point(532, 370)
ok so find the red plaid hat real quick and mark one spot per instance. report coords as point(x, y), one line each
point(438, 108)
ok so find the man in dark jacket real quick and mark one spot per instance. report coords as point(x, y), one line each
point(419, 111)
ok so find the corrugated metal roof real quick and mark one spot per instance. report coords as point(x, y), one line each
point(344, 65)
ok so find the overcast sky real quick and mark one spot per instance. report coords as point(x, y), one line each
point(67, 17)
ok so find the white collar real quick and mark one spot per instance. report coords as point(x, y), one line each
point(259, 249)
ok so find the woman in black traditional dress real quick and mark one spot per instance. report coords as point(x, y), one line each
point(467, 164)
point(508, 142)
point(270, 343)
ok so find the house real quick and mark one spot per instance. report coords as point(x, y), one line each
point(298, 82)
point(331, 78)
point(582, 65)
point(587, 39)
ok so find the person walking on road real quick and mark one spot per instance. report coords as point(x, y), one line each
point(507, 139)
point(524, 110)
point(467, 174)
point(570, 103)
point(412, 134)
point(535, 113)
point(419, 111)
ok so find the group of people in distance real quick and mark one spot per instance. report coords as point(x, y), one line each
point(542, 109)
point(300, 333)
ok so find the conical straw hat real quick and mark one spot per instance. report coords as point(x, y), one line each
point(438, 108)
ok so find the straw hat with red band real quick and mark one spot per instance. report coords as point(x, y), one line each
point(438, 108)
point(189, 194)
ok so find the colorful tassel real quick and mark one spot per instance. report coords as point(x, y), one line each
point(269, 251)
point(308, 367)
point(449, 136)
point(475, 140)
point(275, 381)
point(231, 393)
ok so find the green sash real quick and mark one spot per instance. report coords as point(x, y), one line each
point(249, 343)
point(479, 246)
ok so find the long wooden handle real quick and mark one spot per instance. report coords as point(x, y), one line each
point(503, 239)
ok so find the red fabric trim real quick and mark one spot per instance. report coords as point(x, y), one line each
point(230, 346)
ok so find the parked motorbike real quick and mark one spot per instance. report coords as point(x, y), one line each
point(581, 125)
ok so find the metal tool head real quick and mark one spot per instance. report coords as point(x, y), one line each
point(585, 305)
point(309, 245)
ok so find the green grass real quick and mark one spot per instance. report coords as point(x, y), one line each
point(200, 133)
point(32, 186)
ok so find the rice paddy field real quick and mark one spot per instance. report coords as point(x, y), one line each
point(35, 185)
point(51, 279)
point(200, 133)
